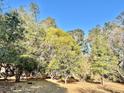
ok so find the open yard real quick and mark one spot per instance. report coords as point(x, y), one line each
point(52, 86)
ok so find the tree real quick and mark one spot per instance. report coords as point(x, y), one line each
point(120, 19)
point(66, 49)
point(35, 10)
point(48, 22)
point(53, 67)
point(29, 64)
point(11, 32)
point(82, 70)
point(116, 38)
point(102, 57)
point(78, 36)
point(33, 41)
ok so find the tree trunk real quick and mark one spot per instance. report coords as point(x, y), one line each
point(17, 78)
point(102, 80)
point(5, 77)
point(52, 76)
point(66, 78)
point(18, 73)
point(83, 78)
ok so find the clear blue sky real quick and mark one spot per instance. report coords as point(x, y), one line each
point(71, 14)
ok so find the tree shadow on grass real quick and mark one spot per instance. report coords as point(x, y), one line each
point(41, 86)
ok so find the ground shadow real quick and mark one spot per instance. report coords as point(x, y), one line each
point(41, 86)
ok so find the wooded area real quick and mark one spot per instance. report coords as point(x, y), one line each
point(35, 48)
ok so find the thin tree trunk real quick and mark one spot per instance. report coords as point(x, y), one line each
point(18, 74)
point(102, 80)
point(5, 78)
point(66, 78)
point(83, 78)
point(17, 78)
point(51, 76)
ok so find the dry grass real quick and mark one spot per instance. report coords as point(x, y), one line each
point(53, 86)
point(85, 87)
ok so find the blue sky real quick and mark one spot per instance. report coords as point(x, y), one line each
point(72, 14)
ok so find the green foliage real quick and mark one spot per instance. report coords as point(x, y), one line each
point(48, 22)
point(28, 63)
point(53, 65)
point(103, 60)
point(82, 68)
point(66, 50)
point(11, 32)
point(43, 47)
point(78, 35)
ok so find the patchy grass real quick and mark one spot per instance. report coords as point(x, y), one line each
point(53, 86)
point(41, 86)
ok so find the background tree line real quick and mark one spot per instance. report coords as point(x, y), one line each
point(41, 49)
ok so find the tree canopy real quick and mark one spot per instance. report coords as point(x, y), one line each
point(40, 47)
